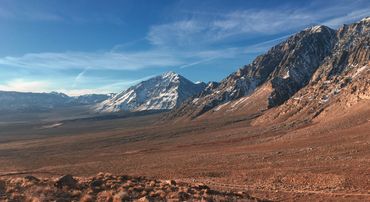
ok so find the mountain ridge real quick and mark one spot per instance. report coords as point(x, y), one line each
point(274, 77)
point(165, 91)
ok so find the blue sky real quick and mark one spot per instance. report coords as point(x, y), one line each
point(90, 46)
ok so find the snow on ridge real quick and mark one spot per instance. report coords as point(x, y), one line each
point(240, 101)
point(365, 19)
point(287, 75)
point(316, 28)
point(359, 70)
point(165, 91)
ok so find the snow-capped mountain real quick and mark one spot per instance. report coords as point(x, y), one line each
point(161, 92)
point(315, 53)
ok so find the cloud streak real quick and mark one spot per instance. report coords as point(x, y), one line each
point(115, 87)
point(233, 26)
point(197, 62)
point(22, 85)
point(82, 60)
point(348, 17)
point(199, 29)
point(41, 86)
point(12, 10)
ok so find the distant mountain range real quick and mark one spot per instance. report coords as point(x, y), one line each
point(36, 102)
point(305, 73)
point(163, 92)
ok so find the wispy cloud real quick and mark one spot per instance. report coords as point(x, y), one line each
point(103, 60)
point(154, 58)
point(10, 11)
point(124, 46)
point(195, 38)
point(199, 29)
point(26, 85)
point(22, 85)
point(44, 12)
point(197, 62)
point(180, 33)
point(348, 17)
point(235, 25)
point(79, 77)
point(125, 83)
point(114, 87)
point(259, 21)
point(211, 55)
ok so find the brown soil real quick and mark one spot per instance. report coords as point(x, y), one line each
point(325, 159)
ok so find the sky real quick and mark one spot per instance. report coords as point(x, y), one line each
point(95, 46)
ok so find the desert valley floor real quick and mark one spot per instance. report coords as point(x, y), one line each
point(320, 160)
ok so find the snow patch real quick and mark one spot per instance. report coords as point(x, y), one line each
point(366, 19)
point(324, 99)
point(241, 100)
point(359, 70)
point(315, 29)
point(220, 107)
point(286, 75)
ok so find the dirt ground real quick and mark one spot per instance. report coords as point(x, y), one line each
point(321, 160)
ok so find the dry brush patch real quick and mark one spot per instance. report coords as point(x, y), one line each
point(107, 187)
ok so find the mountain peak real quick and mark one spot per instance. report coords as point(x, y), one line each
point(366, 19)
point(317, 28)
point(169, 74)
point(162, 92)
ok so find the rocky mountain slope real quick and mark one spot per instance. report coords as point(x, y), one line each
point(36, 102)
point(161, 92)
point(313, 57)
point(340, 82)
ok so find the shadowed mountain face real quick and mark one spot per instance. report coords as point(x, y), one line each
point(351, 51)
point(308, 56)
point(339, 83)
point(162, 92)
